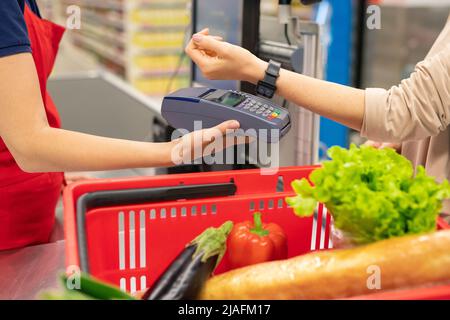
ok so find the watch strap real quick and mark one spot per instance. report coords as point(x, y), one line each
point(267, 86)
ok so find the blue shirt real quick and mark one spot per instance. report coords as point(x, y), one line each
point(13, 30)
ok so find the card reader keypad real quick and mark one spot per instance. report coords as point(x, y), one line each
point(261, 109)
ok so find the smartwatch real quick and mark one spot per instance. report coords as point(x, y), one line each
point(267, 87)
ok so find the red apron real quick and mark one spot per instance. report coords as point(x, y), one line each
point(28, 201)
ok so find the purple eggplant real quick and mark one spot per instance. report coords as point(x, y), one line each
point(186, 275)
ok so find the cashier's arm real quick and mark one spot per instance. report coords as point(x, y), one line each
point(37, 147)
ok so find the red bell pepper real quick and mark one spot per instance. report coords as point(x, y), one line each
point(251, 243)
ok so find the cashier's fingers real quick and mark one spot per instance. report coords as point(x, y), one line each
point(202, 143)
point(215, 135)
point(227, 125)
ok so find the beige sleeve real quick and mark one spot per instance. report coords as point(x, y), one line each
point(416, 109)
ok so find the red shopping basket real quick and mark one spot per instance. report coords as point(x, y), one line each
point(127, 231)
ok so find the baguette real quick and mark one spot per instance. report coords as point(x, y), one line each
point(404, 262)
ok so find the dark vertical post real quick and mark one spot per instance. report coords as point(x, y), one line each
point(361, 7)
point(250, 33)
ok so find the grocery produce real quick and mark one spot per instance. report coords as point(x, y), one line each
point(405, 262)
point(88, 288)
point(254, 242)
point(184, 278)
point(372, 194)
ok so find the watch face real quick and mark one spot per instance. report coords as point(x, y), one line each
point(267, 86)
point(261, 90)
point(265, 89)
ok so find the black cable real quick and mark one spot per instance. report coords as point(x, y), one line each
point(175, 73)
point(187, 33)
point(286, 34)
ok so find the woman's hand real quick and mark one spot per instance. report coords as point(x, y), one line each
point(220, 60)
point(381, 145)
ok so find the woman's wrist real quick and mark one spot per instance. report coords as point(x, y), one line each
point(255, 71)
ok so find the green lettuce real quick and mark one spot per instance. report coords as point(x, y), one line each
point(372, 194)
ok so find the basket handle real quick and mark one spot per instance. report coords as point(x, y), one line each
point(98, 199)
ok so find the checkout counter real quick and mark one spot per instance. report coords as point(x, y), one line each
point(26, 272)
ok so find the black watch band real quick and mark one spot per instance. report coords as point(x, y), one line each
point(267, 87)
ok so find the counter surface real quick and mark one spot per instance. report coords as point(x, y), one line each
point(25, 272)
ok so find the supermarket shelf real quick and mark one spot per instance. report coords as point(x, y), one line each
point(127, 37)
point(103, 21)
point(116, 5)
point(103, 38)
point(101, 49)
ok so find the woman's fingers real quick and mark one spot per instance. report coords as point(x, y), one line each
point(395, 146)
point(197, 55)
point(382, 145)
point(203, 49)
point(218, 59)
point(372, 143)
point(194, 52)
point(204, 31)
point(209, 43)
point(208, 53)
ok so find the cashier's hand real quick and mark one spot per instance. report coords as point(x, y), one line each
point(219, 60)
point(203, 143)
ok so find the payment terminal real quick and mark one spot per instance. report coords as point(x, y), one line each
point(258, 116)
